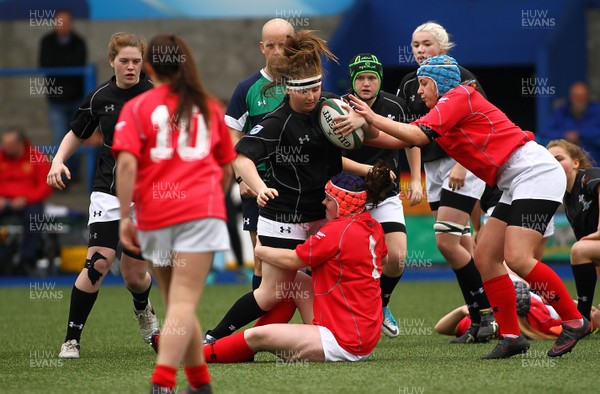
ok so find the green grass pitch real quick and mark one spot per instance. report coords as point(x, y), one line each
point(114, 359)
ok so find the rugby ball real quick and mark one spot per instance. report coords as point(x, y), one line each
point(329, 109)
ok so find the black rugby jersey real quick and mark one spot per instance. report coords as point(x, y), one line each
point(300, 161)
point(394, 108)
point(101, 108)
point(417, 108)
point(581, 204)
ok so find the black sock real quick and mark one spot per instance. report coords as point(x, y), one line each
point(256, 279)
point(140, 300)
point(81, 306)
point(387, 284)
point(244, 311)
point(471, 286)
point(585, 282)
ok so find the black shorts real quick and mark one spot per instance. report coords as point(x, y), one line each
point(534, 214)
point(282, 243)
point(106, 235)
point(454, 200)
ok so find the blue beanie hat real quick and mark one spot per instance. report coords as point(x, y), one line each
point(443, 70)
point(365, 63)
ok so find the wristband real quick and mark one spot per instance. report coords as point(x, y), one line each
point(238, 180)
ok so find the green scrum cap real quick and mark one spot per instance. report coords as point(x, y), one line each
point(365, 63)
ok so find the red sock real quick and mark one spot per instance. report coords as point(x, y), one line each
point(281, 313)
point(230, 349)
point(164, 376)
point(548, 284)
point(197, 376)
point(500, 292)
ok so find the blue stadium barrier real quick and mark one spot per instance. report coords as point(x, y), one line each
point(435, 273)
point(88, 72)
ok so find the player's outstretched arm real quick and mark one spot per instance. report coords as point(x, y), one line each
point(448, 323)
point(355, 168)
point(282, 258)
point(386, 141)
point(346, 124)
point(408, 133)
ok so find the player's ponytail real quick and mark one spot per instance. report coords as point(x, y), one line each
point(173, 62)
point(377, 182)
point(300, 60)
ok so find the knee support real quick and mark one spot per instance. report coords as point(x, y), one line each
point(93, 273)
point(449, 228)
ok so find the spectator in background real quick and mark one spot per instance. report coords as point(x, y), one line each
point(23, 172)
point(577, 121)
point(63, 48)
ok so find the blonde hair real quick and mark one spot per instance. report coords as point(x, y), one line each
point(575, 151)
point(438, 32)
point(121, 40)
point(530, 333)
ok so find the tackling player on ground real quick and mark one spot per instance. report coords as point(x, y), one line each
point(345, 257)
point(300, 161)
point(366, 74)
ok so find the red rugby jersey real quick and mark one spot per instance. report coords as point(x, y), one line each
point(179, 172)
point(474, 132)
point(345, 256)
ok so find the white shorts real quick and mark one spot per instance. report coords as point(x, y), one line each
point(104, 207)
point(333, 351)
point(531, 172)
point(389, 210)
point(437, 174)
point(300, 231)
point(196, 236)
point(547, 234)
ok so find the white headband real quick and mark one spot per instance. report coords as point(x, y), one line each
point(306, 83)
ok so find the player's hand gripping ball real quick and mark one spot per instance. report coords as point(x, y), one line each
point(329, 109)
